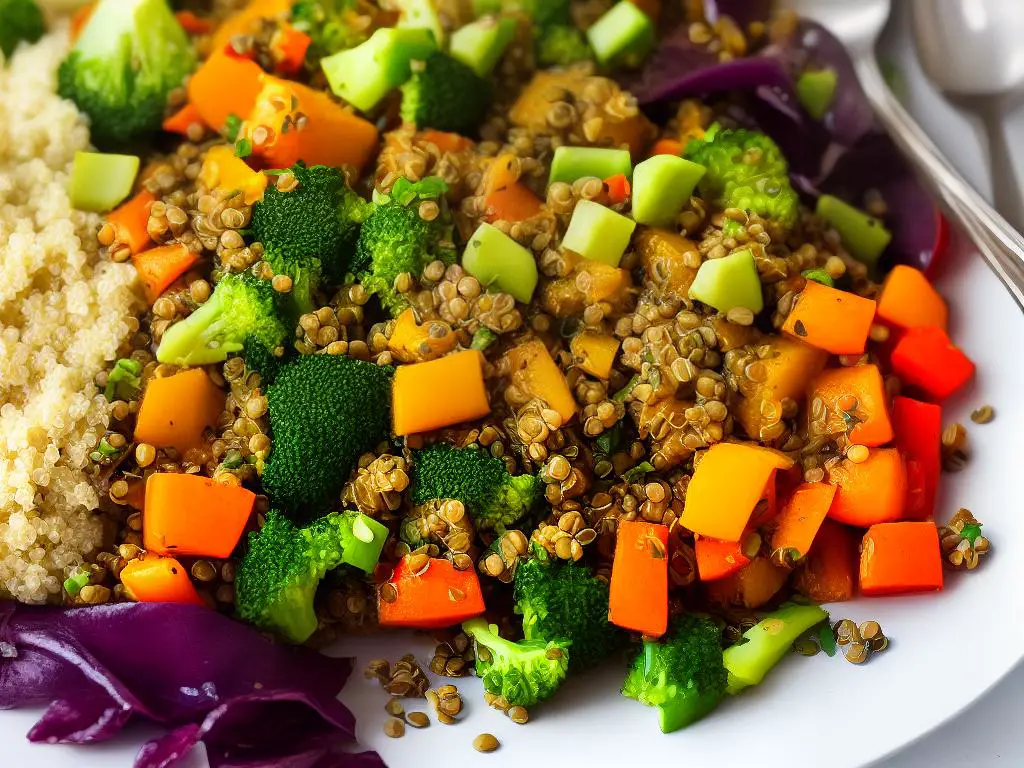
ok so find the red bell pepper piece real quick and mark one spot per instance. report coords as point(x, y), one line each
point(289, 48)
point(926, 358)
point(918, 429)
point(941, 246)
point(617, 188)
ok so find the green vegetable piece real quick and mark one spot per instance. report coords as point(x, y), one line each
point(662, 185)
point(421, 14)
point(729, 282)
point(19, 20)
point(367, 73)
point(819, 276)
point(767, 642)
point(480, 44)
point(498, 261)
point(971, 532)
point(482, 339)
point(623, 36)
point(445, 94)
point(100, 181)
point(560, 45)
point(363, 547)
point(525, 673)
point(598, 233)
point(332, 26)
point(572, 163)
point(73, 584)
point(826, 639)
point(864, 236)
point(124, 382)
point(816, 91)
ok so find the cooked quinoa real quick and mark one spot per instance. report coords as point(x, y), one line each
point(64, 313)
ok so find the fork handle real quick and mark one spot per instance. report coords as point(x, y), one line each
point(999, 243)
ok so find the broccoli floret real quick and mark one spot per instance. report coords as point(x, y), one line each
point(447, 95)
point(325, 411)
point(395, 239)
point(124, 382)
point(332, 25)
point(277, 578)
point(764, 644)
point(745, 170)
point(683, 676)
point(566, 601)
point(19, 20)
point(241, 306)
point(559, 45)
point(318, 219)
point(261, 359)
point(524, 673)
point(305, 273)
point(127, 60)
point(494, 498)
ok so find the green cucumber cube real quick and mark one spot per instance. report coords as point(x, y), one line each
point(598, 233)
point(421, 14)
point(498, 261)
point(622, 36)
point(364, 75)
point(729, 282)
point(572, 163)
point(662, 186)
point(481, 44)
point(816, 90)
point(363, 550)
point(100, 181)
point(864, 236)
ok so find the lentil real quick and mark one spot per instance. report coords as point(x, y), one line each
point(486, 742)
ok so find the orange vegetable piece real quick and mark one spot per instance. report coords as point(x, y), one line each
point(222, 170)
point(445, 141)
point(176, 409)
point(130, 221)
point(726, 486)
point(439, 393)
point(856, 390)
point(288, 47)
point(617, 189)
point(411, 342)
point(438, 596)
point(663, 256)
point(667, 147)
point(502, 173)
point(638, 594)
point(79, 19)
point(563, 297)
point(193, 515)
point(900, 557)
point(151, 579)
point(159, 267)
point(243, 22)
point(594, 352)
point(830, 319)
point(908, 300)
point(535, 373)
point(651, 7)
point(873, 491)
point(193, 24)
point(223, 86)
point(718, 559)
point(801, 518)
point(513, 203)
point(180, 121)
point(829, 572)
point(750, 587)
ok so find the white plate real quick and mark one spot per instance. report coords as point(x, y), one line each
point(947, 649)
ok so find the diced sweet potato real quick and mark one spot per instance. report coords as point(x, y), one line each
point(829, 572)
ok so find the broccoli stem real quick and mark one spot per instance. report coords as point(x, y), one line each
point(767, 642)
point(686, 708)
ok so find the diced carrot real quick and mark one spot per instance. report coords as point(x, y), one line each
point(667, 147)
point(617, 189)
point(288, 47)
point(226, 173)
point(926, 358)
point(411, 342)
point(873, 491)
point(152, 579)
point(789, 370)
point(594, 352)
point(79, 19)
point(829, 572)
point(854, 395)
point(193, 515)
point(439, 393)
point(908, 300)
point(800, 519)
point(535, 373)
point(130, 221)
point(515, 202)
point(159, 267)
point(180, 121)
point(638, 594)
point(243, 22)
point(438, 596)
point(446, 141)
point(833, 320)
point(751, 586)
point(918, 429)
point(726, 486)
point(176, 409)
point(223, 86)
point(718, 559)
point(900, 557)
point(193, 24)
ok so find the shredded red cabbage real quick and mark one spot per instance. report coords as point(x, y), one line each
point(253, 703)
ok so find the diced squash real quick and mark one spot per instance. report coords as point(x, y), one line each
point(439, 393)
point(501, 173)
point(802, 515)
point(908, 300)
point(176, 409)
point(194, 515)
point(535, 373)
point(829, 573)
point(871, 492)
point(411, 342)
point(854, 395)
point(212, 96)
point(241, 22)
point(222, 170)
point(439, 596)
point(663, 256)
point(750, 587)
point(732, 335)
point(638, 593)
point(594, 352)
point(900, 557)
point(589, 282)
point(830, 319)
point(152, 579)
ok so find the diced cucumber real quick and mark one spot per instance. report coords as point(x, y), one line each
point(598, 233)
point(366, 74)
point(729, 282)
point(816, 90)
point(481, 44)
point(623, 36)
point(662, 185)
point(368, 539)
point(100, 181)
point(864, 236)
point(498, 261)
point(572, 163)
point(421, 14)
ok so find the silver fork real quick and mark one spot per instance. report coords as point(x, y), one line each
point(858, 24)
